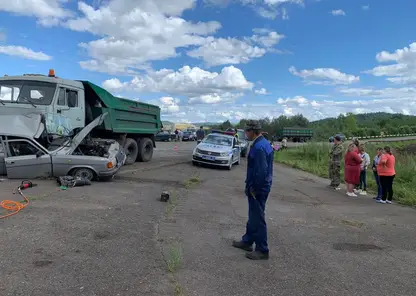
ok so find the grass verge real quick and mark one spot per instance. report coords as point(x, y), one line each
point(195, 180)
point(314, 158)
point(174, 260)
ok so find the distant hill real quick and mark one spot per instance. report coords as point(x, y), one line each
point(205, 123)
point(368, 124)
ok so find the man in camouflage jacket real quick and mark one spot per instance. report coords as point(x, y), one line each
point(335, 158)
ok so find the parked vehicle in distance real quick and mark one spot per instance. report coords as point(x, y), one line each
point(27, 151)
point(296, 134)
point(188, 136)
point(133, 124)
point(218, 150)
point(165, 136)
point(243, 141)
point(342, 136)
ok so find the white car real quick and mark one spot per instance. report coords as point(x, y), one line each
point(217, 149)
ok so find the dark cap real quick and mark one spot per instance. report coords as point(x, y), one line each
point(252, 125)
point(338, 138)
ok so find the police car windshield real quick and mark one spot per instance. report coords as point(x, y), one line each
point(218, 140)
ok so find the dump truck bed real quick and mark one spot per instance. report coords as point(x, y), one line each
point(124, 116)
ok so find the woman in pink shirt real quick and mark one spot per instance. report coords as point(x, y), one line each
point(386, 171)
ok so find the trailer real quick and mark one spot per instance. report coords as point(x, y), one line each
point(296, 134)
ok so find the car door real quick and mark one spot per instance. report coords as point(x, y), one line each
point(235, 150)
point(26, 160)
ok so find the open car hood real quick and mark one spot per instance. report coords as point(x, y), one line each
point(86, 131)
point(25, 125)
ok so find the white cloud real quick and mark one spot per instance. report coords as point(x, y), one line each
point(384, 101)
point(365, 7)
point(48, 12)
point(402, 67)
point(338, 12)
point(228, 51)
point(270, 9)
point(325, 76)
point(133, 33)
point(197, 85)
point(169, 104)
point(261, 91)
point(23, 52)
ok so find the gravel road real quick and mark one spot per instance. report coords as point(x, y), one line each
point(116, 238)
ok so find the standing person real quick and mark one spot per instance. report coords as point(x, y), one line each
point(176, 135)
point(363, 169)
point(258, 185)
point(180, 135)
point(376, 161)
point(200, 134)
point(357, 144)
point(284, 143)
point(386, 171)
point(352, 163)
point(335, 157)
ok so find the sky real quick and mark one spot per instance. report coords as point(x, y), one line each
point(217, 60)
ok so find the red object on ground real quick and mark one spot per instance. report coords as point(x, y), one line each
point(352, 168)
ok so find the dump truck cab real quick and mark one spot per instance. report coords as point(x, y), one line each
point(44, 94)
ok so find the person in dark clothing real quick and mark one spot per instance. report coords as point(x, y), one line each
point(258, 185)
point(200, 134)
point(335, 157)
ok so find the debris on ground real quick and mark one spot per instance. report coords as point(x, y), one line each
point(164, 196)
point(68, 181)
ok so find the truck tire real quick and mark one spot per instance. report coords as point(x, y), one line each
point(145, 150)
point(132, 150)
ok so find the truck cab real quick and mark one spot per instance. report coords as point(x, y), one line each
point(44, 94)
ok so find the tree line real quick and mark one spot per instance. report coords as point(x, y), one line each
point(351, 125)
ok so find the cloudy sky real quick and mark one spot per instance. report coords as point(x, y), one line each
point(212, 60)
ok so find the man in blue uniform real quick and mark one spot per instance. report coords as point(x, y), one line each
point(258, 184)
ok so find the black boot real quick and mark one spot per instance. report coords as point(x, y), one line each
point(243, 246)
point(257, 255)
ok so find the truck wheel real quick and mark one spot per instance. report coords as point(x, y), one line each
point(131, 148)
point(145, 150)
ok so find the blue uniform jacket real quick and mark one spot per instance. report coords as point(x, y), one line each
point(260, 166)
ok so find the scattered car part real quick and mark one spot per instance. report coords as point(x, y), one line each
point(164, 196)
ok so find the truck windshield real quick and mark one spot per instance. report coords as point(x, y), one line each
point(27, 92)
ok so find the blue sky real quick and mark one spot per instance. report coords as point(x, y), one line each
point(214, 60)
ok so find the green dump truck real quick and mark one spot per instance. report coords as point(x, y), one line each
point(295, 134)
point(133, 124)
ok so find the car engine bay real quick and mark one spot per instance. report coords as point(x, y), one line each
point(94, 147)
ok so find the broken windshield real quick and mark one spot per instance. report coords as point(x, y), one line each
point(27, 92)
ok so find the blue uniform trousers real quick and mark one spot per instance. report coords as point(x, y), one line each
point(256, 229)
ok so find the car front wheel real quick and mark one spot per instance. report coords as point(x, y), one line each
point(83, 173)
point(230, 165)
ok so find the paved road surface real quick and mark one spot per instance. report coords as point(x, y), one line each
point(113, 238)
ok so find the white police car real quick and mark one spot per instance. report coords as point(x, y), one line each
point(217, 149)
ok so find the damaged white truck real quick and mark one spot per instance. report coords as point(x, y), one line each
point(72, 105)
point(28, 150)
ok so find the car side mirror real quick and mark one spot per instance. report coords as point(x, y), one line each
point(39, 154)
